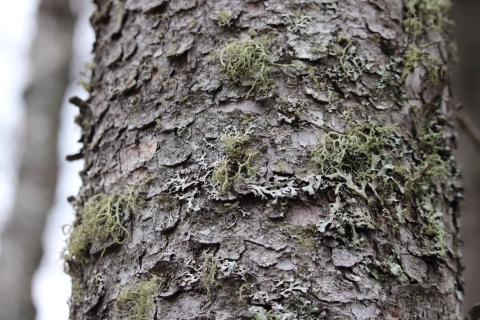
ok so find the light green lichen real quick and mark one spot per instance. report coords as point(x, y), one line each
point(238, 161)
point(248, 62)
point(296, 21)
point(353, 65)
point(417, 56)
point(426, 14)
point(137, 301)
point(370, 160)
point(209, 272)
point(224, 18)
point(352, 151)
point(243, 291)
point(102, 219)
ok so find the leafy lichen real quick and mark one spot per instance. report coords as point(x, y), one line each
point(371, 160)
point(296, 21)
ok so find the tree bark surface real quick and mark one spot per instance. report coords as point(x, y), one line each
point(267, 160)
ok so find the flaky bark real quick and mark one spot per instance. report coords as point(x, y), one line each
point(267, 160)
point(21, 239)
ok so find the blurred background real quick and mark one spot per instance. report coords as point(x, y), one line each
point(44, 45)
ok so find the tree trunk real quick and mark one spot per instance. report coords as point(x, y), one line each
point(21, 240)
point(268, 160)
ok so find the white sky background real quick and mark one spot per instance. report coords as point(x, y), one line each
point(17, 28)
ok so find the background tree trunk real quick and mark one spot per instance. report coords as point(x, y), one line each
point(466, 82)
point(21, 239)
point(268, 159)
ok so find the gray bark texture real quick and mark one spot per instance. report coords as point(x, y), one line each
point(268, 160)
point(21, 239)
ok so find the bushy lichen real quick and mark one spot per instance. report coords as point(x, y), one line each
point(137, 301)
point(426, 14)
point(248, 62)
point(224, 18)
point(209, 272)
point(416, 56)
point(238, 161)
point(351, 151)
point(102, 218)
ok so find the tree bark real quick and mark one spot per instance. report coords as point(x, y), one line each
point(268, 160)
point(21, 239)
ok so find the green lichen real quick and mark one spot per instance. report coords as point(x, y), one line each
point(224, 18)
point(77, 287)
point(368, 167)
point(102, 219)
point(352, 64)
point(351, 151)
point(248, 62)
point(209, 272)
point(137, 301)
point(426, 14)
point(417, 56)
point(296, 21)
point(238, 161)
point(243, 291)
point(431, 168)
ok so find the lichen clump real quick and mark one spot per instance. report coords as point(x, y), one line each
point(416, 56)
point(352, 151)
point(422, 14)
point(138, 301)
point(238, 161)
point(209, 272)
point(102, 218)
point(248, 62)
point(224, 18)
point(366, 169)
